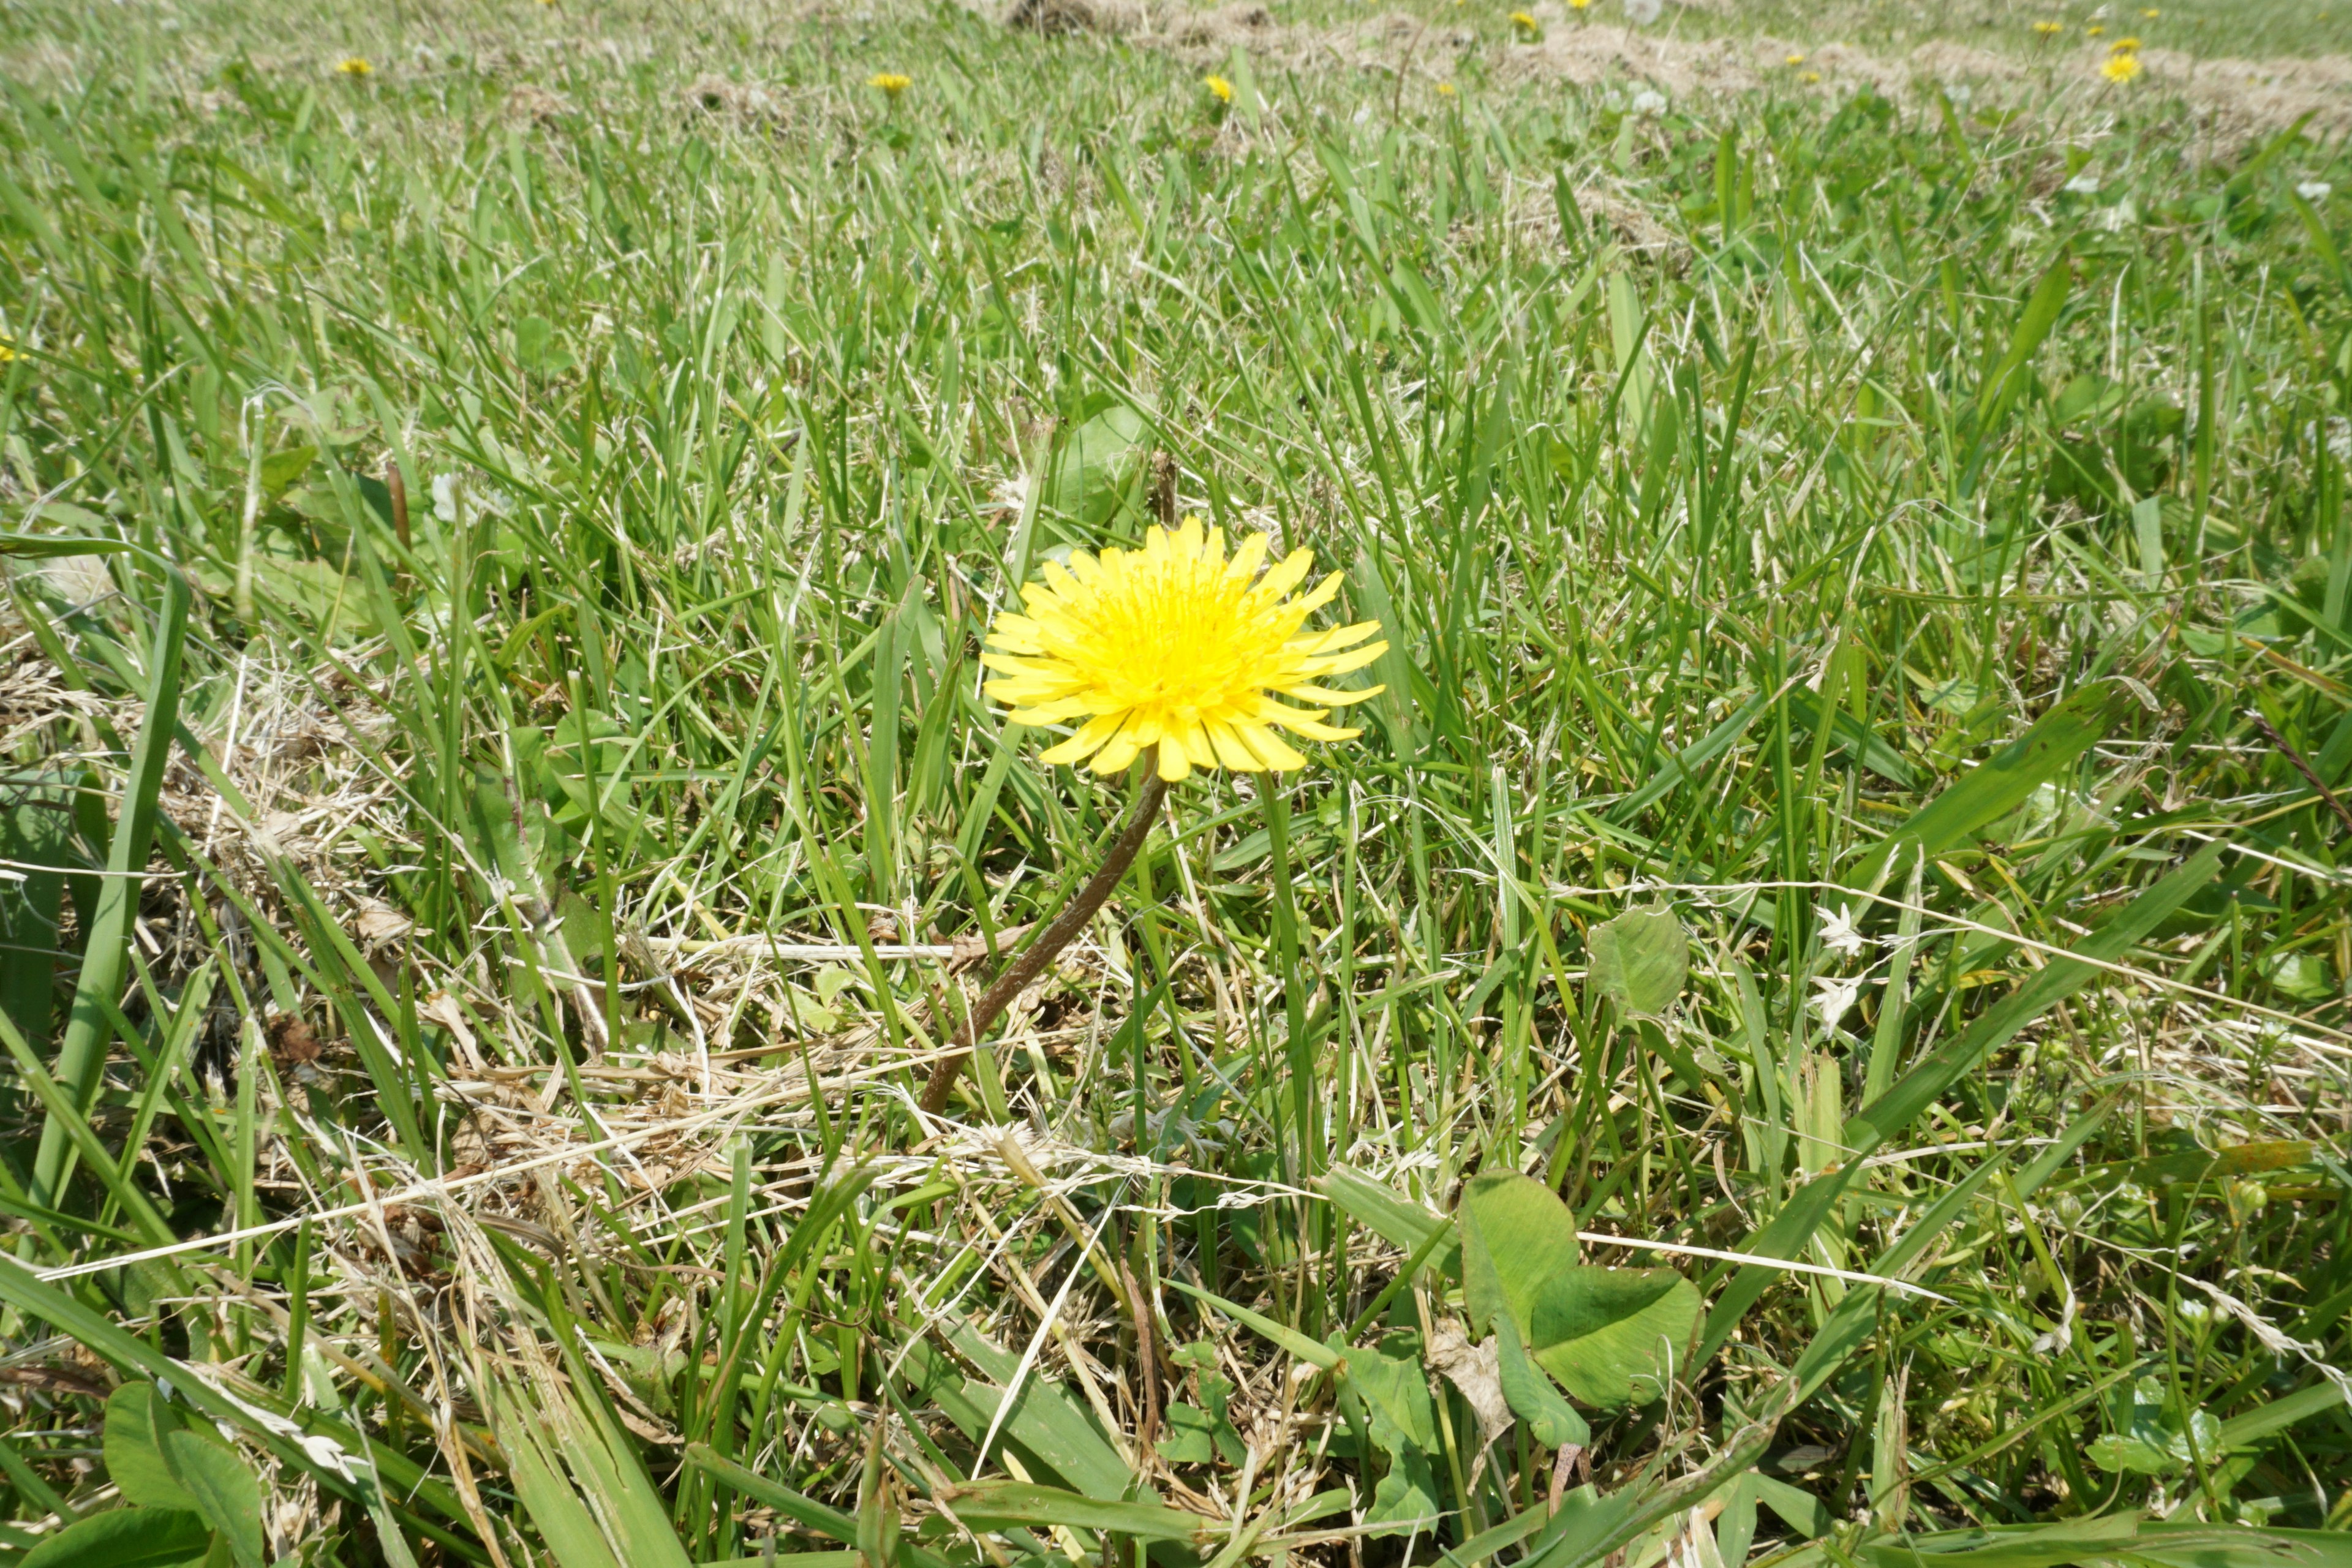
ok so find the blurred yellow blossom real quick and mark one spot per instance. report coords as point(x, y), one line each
point(1221, 89)
point(890, 82)
point(354, 65)
point(2121, 68)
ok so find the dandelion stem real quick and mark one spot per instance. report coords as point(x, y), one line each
point(1030, 961)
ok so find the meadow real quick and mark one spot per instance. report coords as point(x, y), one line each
point(1810, 1027)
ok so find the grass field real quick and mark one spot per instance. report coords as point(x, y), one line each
point(1811, 1025)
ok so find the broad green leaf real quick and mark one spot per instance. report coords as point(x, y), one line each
point(991, 1504)
point(125, 1538)
point(280, 469)
point(137, 1421)
point(1096, 463)
point(2146, 1436)
point(1551, 1420)
point(224, 1490)
point(1641, 959)
point(1516, 1236)
point(1611, 1335)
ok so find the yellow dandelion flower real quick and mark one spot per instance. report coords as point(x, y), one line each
point(1811, 79)
point(1579, 4)
point(1174, 646)
point(1218, 88)
point(7, 351)
point(2150, 15)
point(2121, 68)
point(354, 66)
point(2124, 46)
point(2094, 31)
point(1795, 58)
point(2049, 29)
point(1445, 89)
point(1522, 19)
point(890, 82)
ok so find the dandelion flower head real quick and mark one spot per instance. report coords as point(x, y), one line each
point(2095, 30)
point(1579, 4)
point(2124, 46)
point(354, 66)
point(7, 351)
point(1810, 77)
point(890, 82)
point(2121, 68)
point(2150, 15)
point(1523, 19)
point(1178, 647)
point(1445, 89)
point(1218, 88)
point(1795, 58)
point(2049, 29)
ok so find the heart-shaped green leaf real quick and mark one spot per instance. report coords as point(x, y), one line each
point(1516, 1234)
point(125, 1538)
point(1641, 959)
point(1610, 1334)
point(1551, 1420)
point(137, 1421)
point(227, 1495)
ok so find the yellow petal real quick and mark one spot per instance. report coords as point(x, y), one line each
point(1270, 749)
point(1091, 737)
point(1341, 663)
point(1329, 696)
point(1118, 757)
point(1231, 752)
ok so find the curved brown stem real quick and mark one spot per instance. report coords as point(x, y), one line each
point(1030, 961)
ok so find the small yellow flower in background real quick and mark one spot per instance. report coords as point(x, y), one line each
point(1579, 4)
point(1218, 88)
point(1523, 20)
point(354, 66)
point(1174, 646)
point(1811, 79)
point(2049, 29)
point(2121, 68)
point(1445, 89)
point(7, 351)
point(2150, 15)
point(890, 82)
point(1795, 58)
point(2094, 30)
point(2124, 46)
